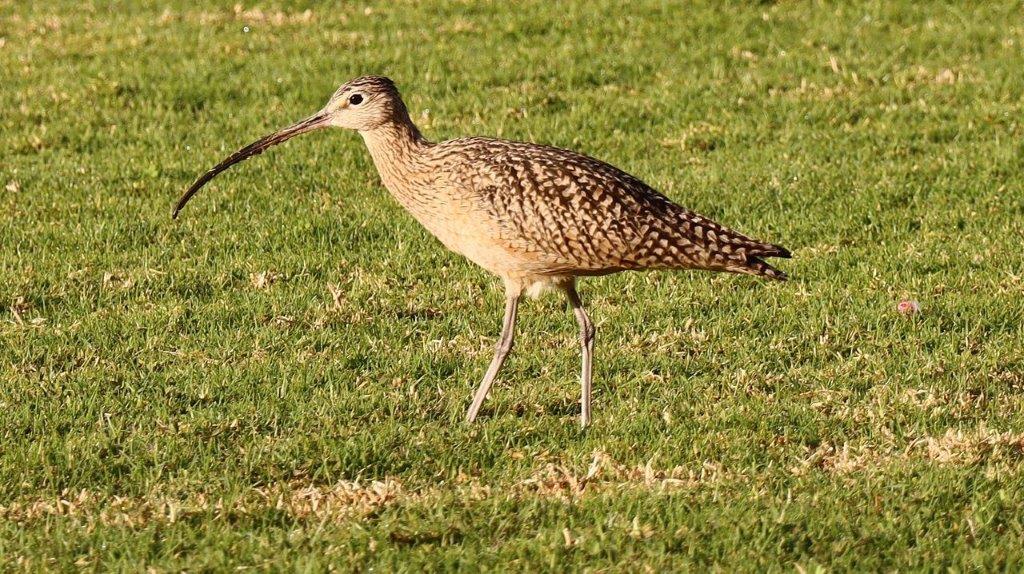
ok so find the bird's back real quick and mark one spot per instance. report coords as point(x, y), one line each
point(565, 213)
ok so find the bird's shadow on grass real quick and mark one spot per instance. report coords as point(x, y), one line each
point(557, 407)
point(424, 314)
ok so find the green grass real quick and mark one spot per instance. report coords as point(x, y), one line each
point(163, 407)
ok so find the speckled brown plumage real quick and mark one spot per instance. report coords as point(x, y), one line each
point(574, 215)
point(536, 216)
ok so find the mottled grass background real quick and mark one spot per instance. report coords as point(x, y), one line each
point(277, 381)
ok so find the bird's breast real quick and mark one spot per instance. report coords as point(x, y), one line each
point(457, 221)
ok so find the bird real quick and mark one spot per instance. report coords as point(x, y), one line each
point(536, 216)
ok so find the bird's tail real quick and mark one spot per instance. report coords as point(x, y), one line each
point(706, 244)
point(756, 265)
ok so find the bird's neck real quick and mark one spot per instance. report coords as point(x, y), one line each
point(394, 145)
point(397, 149)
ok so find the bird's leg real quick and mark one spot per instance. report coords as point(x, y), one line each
point(587, 347)
point(501, 351)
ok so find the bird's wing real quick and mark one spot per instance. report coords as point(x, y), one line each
point(575, 214)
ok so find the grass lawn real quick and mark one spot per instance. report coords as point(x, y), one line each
point(278, 380)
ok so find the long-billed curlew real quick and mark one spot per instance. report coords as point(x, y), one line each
point(535, 216)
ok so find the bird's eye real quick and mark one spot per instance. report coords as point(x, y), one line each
point(355, 99)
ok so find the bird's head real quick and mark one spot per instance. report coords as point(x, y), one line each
point(363, 104)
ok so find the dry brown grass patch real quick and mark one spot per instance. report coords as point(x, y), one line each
point(954, 447)
point(344, 499)
point(560, 481)
point(347, 500)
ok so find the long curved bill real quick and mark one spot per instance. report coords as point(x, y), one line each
point(255, 148)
